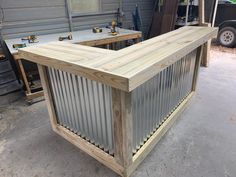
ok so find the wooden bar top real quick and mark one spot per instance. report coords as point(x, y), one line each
point(125, 69)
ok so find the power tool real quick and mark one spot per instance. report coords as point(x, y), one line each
point(97, 30)
point(69, 37)
point(30, 39)
point(113, 28)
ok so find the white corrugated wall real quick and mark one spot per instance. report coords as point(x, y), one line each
point(26, 17)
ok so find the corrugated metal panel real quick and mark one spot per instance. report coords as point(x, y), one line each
point(84, 107)
point(155, 100)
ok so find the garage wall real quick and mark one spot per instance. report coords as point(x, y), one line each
point(27, 17)
point(146, 9)
point(85, 22)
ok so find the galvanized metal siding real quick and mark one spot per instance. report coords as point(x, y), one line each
point(25, 17)
point(155, 100)
point(84, 107)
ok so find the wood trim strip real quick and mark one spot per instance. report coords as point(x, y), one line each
point(24, 77)
point(107, 78)
point(141, 77)
point(48, 96)
point(111, 40)
point(197, 66)
point(155, 138)
point(90, 149)
point(123, 132)
point(32, 96)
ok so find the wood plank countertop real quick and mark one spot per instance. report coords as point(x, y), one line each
point(125, 69)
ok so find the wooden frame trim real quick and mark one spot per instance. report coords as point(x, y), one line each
point(112, 40)
point(197, 66)
point(123, 131)
point(156, 137)
point(32, 96)
point(98, 154)
point(139, 78)
point(107, 78)
point(206, 54)
point(201, 11)
point(74, 139)
point(48, 96)
point(24, 77)
point(206, 49)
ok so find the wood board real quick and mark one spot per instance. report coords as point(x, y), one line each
point(127, 68)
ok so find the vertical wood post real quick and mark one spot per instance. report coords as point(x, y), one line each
point(206, 50)
point(122, 114)
point(207, 46)
point(197, 66)
point(24, 77)
point(201, 11)
point(48, 96)
point(206, 54)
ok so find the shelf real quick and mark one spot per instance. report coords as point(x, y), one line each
point(185, 4)
point(188, 24)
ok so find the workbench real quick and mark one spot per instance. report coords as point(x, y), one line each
point(116, 105)
point(84, 37)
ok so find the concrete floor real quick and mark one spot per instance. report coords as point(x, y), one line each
point(202, 143)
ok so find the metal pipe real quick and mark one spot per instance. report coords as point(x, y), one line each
point(69, 14)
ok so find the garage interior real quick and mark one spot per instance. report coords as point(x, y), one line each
point(201, 142)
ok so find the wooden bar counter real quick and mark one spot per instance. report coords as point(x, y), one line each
point(116, 105)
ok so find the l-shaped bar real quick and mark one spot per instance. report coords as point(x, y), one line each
point(116, 105)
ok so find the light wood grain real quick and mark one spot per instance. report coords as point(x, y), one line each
point(24, 77)
point(48, 96)
point(197, 66)
point(90, 149)
point(206, 50)
point(125, 69)
point(32, 96)
point(201, 11)
point(122, 115)
point(68, 62)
